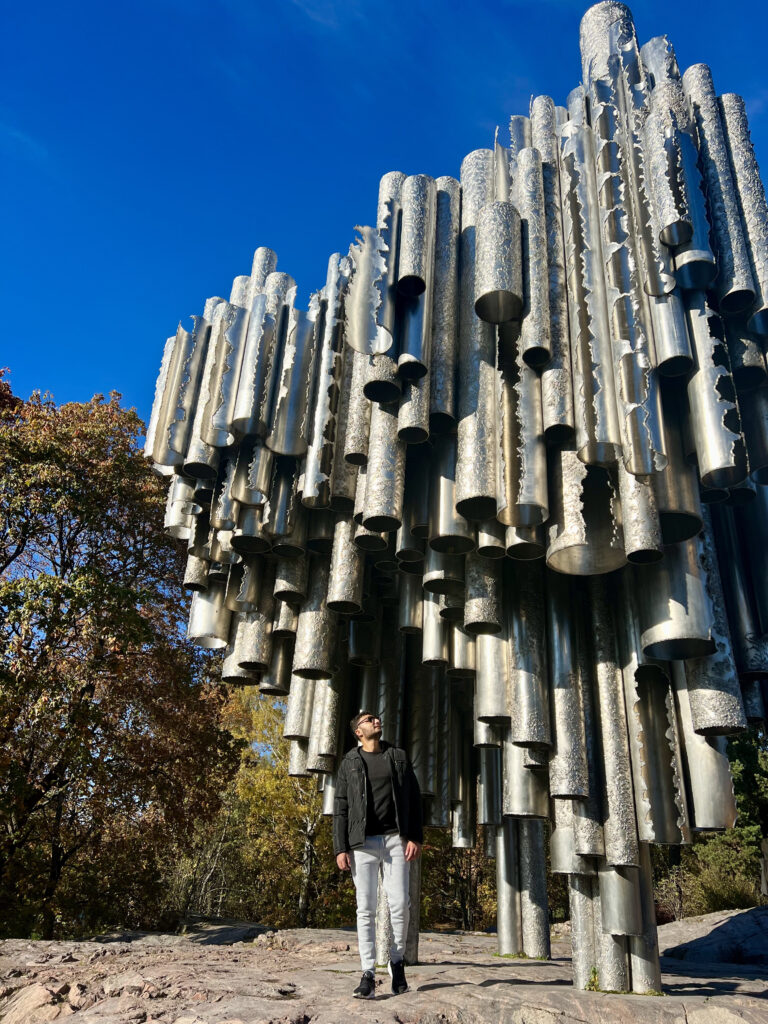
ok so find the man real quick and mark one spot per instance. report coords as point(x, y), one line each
point(377, 820)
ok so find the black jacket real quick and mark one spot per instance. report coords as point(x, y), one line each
point(350, 805)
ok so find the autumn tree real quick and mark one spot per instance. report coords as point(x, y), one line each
point(111, 741)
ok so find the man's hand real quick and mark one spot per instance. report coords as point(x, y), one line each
point(412, 850)
point(342, 862)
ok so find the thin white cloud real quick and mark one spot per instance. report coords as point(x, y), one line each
point(17, 144)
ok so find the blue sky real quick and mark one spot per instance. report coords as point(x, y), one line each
point(147, 148)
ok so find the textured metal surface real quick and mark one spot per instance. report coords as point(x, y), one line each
point(521, 460)
point(619, 824)
point(751, 200)
point(445, 309)
point(498, 294)
point(448, 531)
point(475, 478)
point(316, 632)
point(714, 694)
point(525, 631)
point(584, 528)
point(492, 702)
point(734, 283)
point(640, 521)
point(345, 583)
point(556, 383)
point(508, 911)
point(350, 479)
point(534, 906)
point(483, 595)
point(324, 400)
point(675, 610)
point(598, 439)
point(568, 768)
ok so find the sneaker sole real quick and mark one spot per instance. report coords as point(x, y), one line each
point(359, 995)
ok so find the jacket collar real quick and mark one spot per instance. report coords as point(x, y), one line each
point(355, 751)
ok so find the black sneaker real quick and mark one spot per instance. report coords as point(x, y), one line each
point(397, 973)
point(367, 987)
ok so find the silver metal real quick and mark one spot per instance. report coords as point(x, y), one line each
point(640, 519)
point(483, 594)
point(443, 574)
point(584, 952)
point(253, 476)
point(298, 715)
point(734, 283)
point(462, 646)
point(556, 383)
point(359, 415)
point(293, 385)
point(209, 617)
point(413, 411)
point(489, 786)
point(675, 610)
point(619, 823)
point(475, 478)
point(196, 573)
point(324, 402)
point(285, 621)
point(598, 439)
point(435, 632)
point(316, 633)
point(677, 486)
point(714, 693)
point(535, 344)
point(521, 458)
point(498, 294)
point(491, 539)
point(410, 610)
point(418, 200)
point(620, 907)
point(708, 773)
point(277, 678)
point(631, 340)
point(525, 543)
point(751, 202)
point(445, 308)
point(345, 583)
point(532, 862)
point(568, 768)
point(584, 529)
point(744, 354)
point(320, 530)
point(492, 703)
point(525, 792)
point(563, 858)
point(222, 374)
point(509, 928)
point(525, 631)
point(670, 335)
point(448, 531)
point(291, 575)
point(385, 472)
point(253, 637)
point(644, 949)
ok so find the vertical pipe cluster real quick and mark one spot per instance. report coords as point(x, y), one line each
point(504, 482)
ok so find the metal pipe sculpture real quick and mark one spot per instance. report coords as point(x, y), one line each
point(523, 365)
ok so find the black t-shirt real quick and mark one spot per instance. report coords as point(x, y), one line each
point(381, 819)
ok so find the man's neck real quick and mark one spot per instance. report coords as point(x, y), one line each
point(372, 745)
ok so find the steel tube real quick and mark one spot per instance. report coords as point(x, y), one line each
point(525, 631)
point(445, 308)
point(475, 478)
point(483, 594)
point(534, 906)
point(385, 473)
point(734, 283)
point(568, 769)
point(316, 632)
point(345, 583)
point(556, 382)
point(448, 531)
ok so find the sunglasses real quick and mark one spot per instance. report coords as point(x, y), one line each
point(370, 718)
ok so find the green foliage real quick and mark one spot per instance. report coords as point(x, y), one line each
point(721, 871)
point(111, 742)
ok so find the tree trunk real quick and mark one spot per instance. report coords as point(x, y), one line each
point(307, 858)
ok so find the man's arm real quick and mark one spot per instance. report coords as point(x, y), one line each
point(415, 824)
point(340, 820)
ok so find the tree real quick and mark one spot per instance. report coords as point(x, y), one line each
point(111, 740)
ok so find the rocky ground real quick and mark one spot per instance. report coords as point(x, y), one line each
point(241, 974)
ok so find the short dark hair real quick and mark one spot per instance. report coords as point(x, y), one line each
point(356, 720)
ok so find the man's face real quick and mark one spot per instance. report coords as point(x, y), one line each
point(369, 727)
